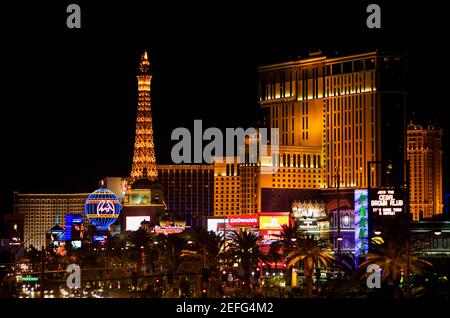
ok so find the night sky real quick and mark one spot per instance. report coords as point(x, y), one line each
point(68, 97)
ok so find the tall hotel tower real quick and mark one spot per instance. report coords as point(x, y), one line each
point(348, 109)
point(425, 159)
point(334, 114)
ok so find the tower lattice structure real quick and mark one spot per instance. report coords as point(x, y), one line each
point(144, 159)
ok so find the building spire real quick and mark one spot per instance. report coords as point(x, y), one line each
point(144, 159)
point(144, 65)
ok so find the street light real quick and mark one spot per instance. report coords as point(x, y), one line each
point(437, 233)
point(377, 232)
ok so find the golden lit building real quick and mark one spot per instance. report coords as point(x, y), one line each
point(42, 211)
point(425, 159)
point(334, 114)
point(345, 110)
point(227, 188)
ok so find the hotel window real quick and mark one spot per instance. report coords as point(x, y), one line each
point(336, 69)
point(347, 67)
point(357, 66)
point(370, 64)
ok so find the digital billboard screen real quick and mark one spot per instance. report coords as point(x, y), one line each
point(134, 222)
point(386, 202)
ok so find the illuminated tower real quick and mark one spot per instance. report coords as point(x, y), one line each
point(144, 198)
point(144, 160)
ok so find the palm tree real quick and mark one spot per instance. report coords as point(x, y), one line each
point(289, 235)
point(244, 247)
point(143, 250)
point(209, 246)
point(393, 259)
point(208, 242)
point(310, 252)
point(348, 282)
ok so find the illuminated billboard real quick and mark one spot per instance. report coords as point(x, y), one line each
point(310, 215)
point(134, 222)
point(73, 229)
point(270, 227)
point(361, 222)
point(386, 202)
point(309, 209)
point(140, 197)
point(273, 221)
point(243, 221)
point(166, 230)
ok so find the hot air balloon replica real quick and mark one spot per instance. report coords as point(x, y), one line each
point(102, 208)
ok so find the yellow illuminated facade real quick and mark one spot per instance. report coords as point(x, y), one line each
point(330, 105)
point(425, 159)
point(330, 112)
point(41, 211)
point(227, 188)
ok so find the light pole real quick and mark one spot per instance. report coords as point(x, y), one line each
point(338, 212)
point(407, 215)
point(42, 263)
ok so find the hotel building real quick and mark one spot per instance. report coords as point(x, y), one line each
point(188, 191)
point(334, 115)
point(42, 211)
point(425, 159)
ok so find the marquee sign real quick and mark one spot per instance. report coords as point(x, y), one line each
point(309, 210)
point(386, 202)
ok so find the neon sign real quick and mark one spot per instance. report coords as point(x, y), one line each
point(105, 206)
point(244, 221)
point(310, 210)
point(385, 202)
point(102, 207)
point(361, 222)
point(273, 222)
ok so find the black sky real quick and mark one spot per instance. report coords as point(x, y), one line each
point(68, 97)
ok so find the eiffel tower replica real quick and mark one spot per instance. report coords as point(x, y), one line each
point(144, 198)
